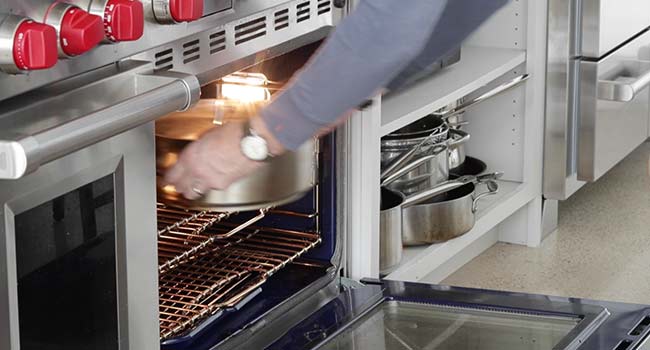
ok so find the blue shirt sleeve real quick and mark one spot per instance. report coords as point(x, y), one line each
point(459, 19)
point(381, 41)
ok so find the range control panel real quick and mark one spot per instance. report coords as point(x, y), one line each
point(38, 33)
point(45, 41)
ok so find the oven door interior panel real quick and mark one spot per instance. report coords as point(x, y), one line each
point(396, 315)
point(614, 107)
point(607, 24)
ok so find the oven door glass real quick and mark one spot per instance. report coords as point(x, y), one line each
point(395, 325)
point(66, 269)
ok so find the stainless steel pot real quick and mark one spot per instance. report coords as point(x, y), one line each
point(471, 166)
point(443, 217)
point(457, 155)
point(427, 174)
point(392, 202)
point(405, 139)
point(392, 205)
point(281, 180)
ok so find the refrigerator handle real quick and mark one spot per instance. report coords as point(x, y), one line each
point(631, 78)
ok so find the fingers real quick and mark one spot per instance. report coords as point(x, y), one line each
point(195, 190)
point(175, 174)
point(213, 162)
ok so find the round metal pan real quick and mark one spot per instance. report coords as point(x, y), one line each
point(279, 181)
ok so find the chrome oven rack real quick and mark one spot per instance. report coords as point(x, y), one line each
point(208, 264)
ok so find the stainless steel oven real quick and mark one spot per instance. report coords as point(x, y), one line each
point(90, 260)
point(85, 251)
point(597, 108)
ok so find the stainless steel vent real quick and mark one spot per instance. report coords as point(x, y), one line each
point(324, 6)
point(191, 51)
point(250, 30)
point(282, 19)
point(164, 60)
point(302, 11)
point(217, 42)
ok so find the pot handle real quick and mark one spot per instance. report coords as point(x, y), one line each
point(457, 124)
point(407, 168)
point(493, 188)
point(394, 167)
point(439, 189)
point(497, 90)
point(457, 138)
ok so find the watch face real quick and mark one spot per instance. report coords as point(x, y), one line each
point(254, 148)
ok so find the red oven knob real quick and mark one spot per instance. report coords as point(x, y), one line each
point(31, 46)
point(123, 20)
point(35, 46)
point(77, 30)
point(186, 10)
point(175, 11)
point(80, 31)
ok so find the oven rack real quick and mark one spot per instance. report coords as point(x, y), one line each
point(225, 270)
point(182, 233)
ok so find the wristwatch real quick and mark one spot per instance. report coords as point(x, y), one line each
point(254, 146)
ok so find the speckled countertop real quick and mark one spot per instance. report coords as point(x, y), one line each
point(601, 249)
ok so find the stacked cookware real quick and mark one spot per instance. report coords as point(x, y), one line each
point(429, 185)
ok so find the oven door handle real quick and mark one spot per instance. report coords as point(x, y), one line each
point(632, 78)
point(174, 92)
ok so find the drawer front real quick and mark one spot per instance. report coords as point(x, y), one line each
point(614, 108)
point(606, 24)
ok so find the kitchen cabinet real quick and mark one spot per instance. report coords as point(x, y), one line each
point(507, 133)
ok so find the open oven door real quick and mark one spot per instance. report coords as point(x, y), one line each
point(397, 315)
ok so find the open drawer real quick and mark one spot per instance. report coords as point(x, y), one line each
point(614, 107)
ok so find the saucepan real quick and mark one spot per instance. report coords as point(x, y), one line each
point(445, 216)
point(393, 204)
point(471, 166)
point(428, 174)
point(281, 180)
point(450, 120)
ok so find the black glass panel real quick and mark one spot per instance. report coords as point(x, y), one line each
point(65, 250)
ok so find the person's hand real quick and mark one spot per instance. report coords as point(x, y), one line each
point(215, 160)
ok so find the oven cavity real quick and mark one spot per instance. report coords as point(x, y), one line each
point(212, 262)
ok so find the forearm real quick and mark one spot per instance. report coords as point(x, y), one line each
point(459, 19)
point(368, 49)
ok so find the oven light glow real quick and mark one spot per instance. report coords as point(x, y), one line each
point(245, 93)
point(245, 87)
point(169, 188)
point(250, 79)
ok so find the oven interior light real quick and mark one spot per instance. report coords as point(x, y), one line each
point(169, 188)
point(245, 87)
point(245, 93)
point(251, 79)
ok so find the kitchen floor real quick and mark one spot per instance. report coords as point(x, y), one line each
point(601, 249)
